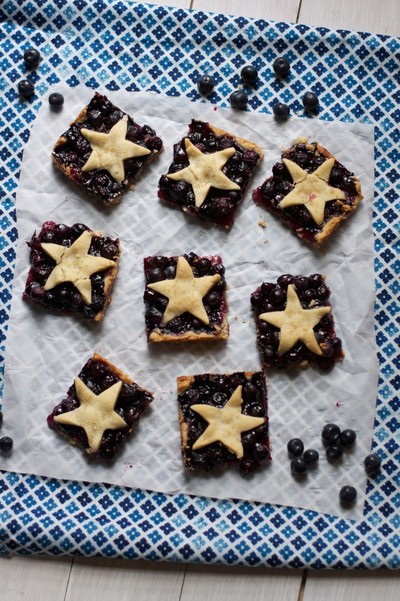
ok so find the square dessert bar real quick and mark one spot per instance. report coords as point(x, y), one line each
point(209, 174)
point(72, 269)
point(104, 150)
point(185, 298)
point(223, 420)
point(295, 324)
point(310, 191)
point(100, 409)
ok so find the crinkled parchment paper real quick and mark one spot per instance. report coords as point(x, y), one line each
point(45, 351)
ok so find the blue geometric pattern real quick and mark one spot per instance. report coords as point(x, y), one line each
point(114, 45)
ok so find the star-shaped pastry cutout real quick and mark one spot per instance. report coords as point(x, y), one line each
point(205, 171)
point(109, 151)
point(75, 265)
point(311, 189)
point(295, 323)
point(95, 413)
point(226, 424)
point(185, 292)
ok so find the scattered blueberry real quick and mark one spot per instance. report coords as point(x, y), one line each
point(26, 89)
point(298, 466)
point(295, 447)
point(281, 111)
point(32, 58)
point(330, 433)
point(347, 437)
point(205, 84)
point(6, 444)
point(238, 99)
point(281, 67)
point(311, 456)
point(56, 99)
point(310, 101)
point(334, 452)
point(347, 495)
point(249, 74)
point(372, 464)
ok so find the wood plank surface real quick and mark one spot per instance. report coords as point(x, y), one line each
point(64, 579)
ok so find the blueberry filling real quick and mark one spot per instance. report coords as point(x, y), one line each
point(72, 150)
point(215, 389)
point(132, 401)
point(312, 292)
point(65, 296)
point(219, 206)
point(298, 218)
point(159, 268)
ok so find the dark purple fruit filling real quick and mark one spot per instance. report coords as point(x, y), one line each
point(216, 390)
point(65, 296)
point(73, 150)
point(298, 218)
point(220, 206)
point(132, 402)
point(159, 268)
point(312, 292)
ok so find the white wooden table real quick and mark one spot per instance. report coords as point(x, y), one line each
point(65, 579)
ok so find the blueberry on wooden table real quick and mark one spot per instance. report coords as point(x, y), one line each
point(238, 100)
point(249, 74)
point(205, 84)
point(281, 66)
point(26, 89)
point(31, 58)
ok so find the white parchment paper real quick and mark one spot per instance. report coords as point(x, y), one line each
point(45, 351)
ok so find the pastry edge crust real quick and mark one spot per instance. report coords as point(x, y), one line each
point(242, 141)
point(221, 333)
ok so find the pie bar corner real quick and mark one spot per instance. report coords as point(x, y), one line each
point(104, 150)
point(100, 409)
point(209, 174)
point(72, 269)
point(310, 191)
point(223, 421)
point(295, 324)
point(185, 298)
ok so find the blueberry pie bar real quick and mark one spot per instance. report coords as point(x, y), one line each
point(310, 191)
point(294, 322)
point(72, 269)
point(185, 298)
point(209, 174)
point(223, 420)
point(104, 150)
point(100, 409)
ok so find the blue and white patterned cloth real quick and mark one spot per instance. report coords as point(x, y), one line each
point(114, 45)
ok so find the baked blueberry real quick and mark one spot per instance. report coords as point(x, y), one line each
point(310, 192)
point(223, 421)
point(209, 174)
point(249, 74)
point(104, 150)
point(281, 66)
point(205, 84)
point(26, 89)
point(239, 99)
point(100, 409)
point(32, 58)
